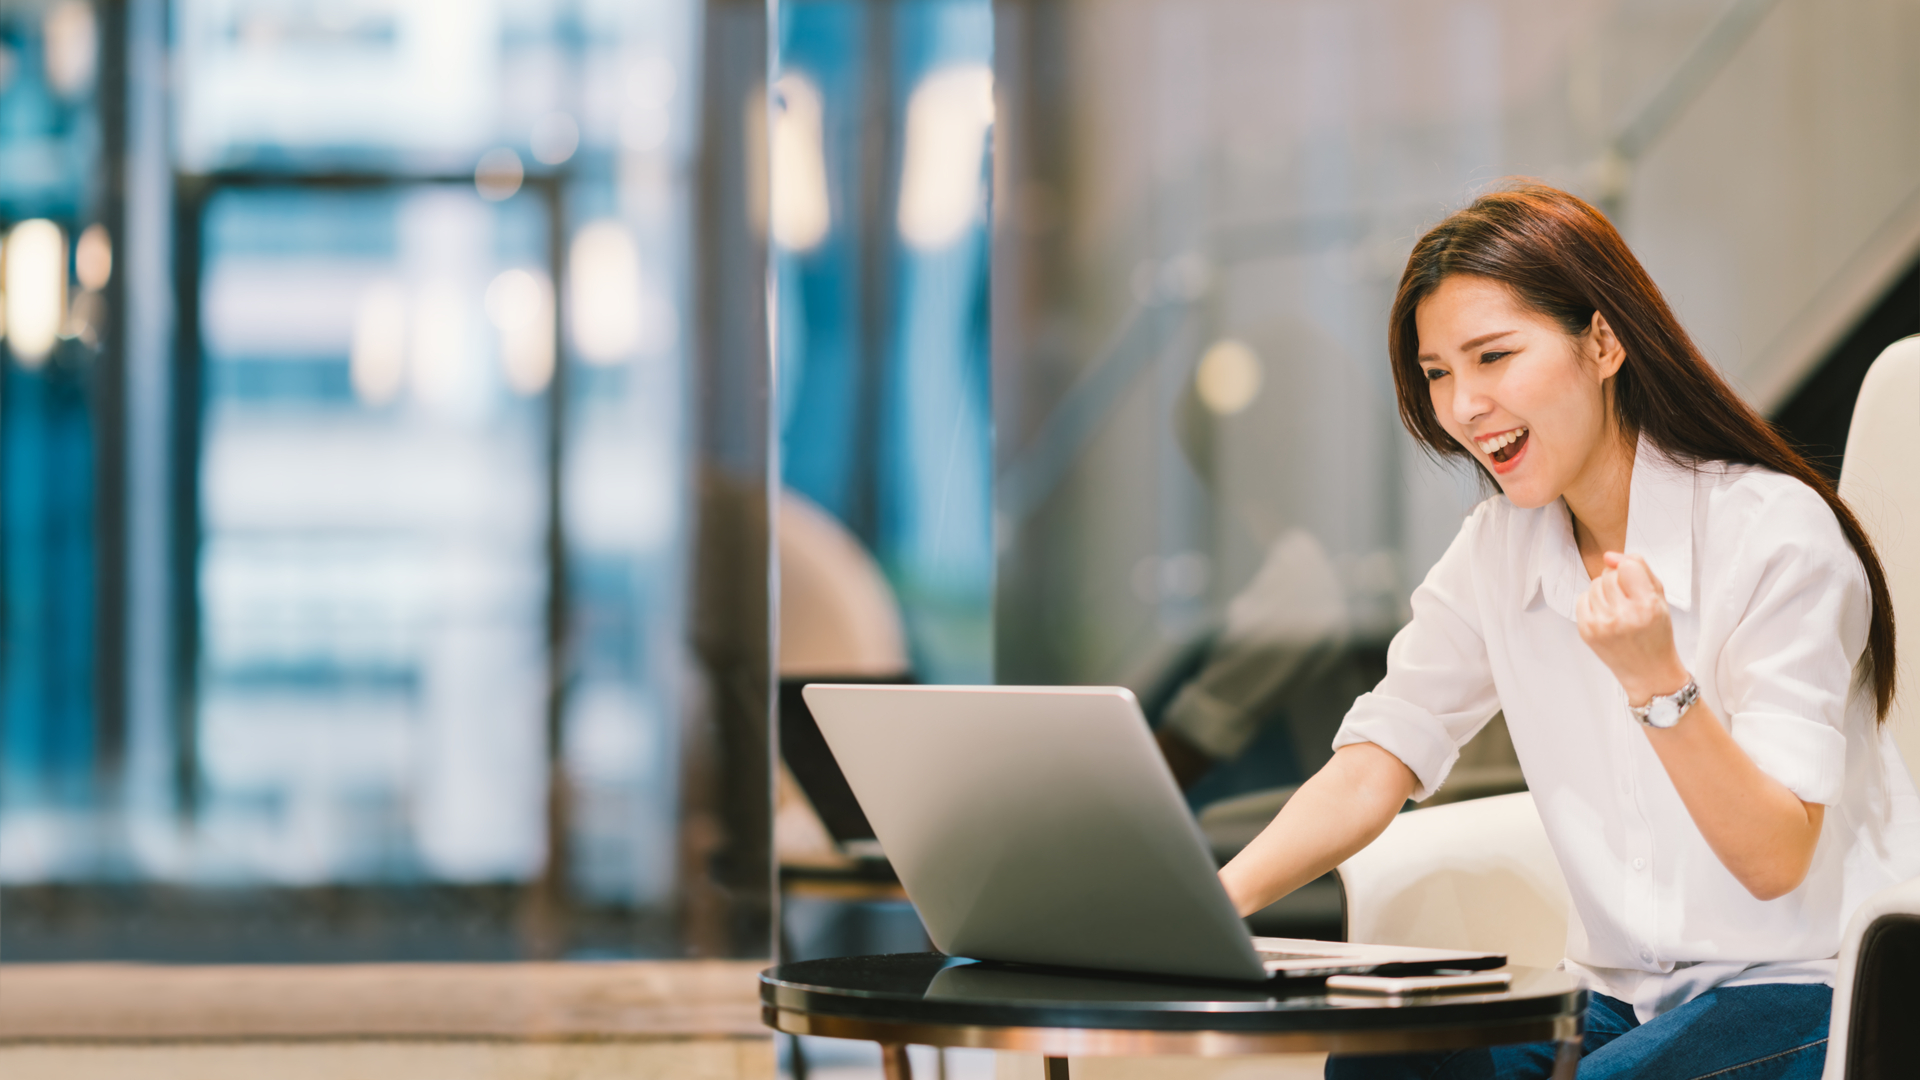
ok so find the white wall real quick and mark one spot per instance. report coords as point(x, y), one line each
point(1782, 202)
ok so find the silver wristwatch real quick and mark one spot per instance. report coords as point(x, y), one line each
point(1665, 710)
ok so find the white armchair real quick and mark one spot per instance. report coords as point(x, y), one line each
point(1468, 875)
point(1873, 1033)
point(1880, 481)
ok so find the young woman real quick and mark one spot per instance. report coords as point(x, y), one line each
point(1689, 634)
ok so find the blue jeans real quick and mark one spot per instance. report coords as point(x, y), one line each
point(1772, 1031)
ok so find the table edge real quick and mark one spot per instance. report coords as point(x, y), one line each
point(1108, 1042)
point(1446, 1012)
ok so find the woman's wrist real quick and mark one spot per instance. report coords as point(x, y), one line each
point(1230, 880)
point(1644, 688)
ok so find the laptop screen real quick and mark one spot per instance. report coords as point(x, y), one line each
point(812, 764)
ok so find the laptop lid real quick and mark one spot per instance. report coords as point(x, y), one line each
point(1036, 825)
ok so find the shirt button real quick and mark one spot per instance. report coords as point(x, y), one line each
point(1646, 955)
point(1639, 864)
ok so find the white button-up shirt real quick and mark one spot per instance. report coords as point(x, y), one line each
point(1770, 611)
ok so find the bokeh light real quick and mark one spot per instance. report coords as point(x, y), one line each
point(499, 174)
point(36, 289)
point(555, 137)
point(1228, 377)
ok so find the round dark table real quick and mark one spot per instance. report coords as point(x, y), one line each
point(936, 1000)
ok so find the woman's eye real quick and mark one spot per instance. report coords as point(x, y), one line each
point(1488, 358)
point(1433, 373)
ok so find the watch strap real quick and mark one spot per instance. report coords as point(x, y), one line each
point(1681, 700)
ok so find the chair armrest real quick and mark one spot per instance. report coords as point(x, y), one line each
point(1470, 875)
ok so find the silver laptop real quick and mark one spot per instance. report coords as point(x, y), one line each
point(1040, 825)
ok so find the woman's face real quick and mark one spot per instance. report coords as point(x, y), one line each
point(1525, 399)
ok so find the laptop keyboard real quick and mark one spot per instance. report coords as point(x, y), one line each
point(1274, 954)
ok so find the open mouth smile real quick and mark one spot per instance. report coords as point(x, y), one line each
point(1504, 447)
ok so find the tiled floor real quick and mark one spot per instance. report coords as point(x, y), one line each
point(845, 1059)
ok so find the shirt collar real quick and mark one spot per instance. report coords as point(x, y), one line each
point(1659, 528)
point(1660, 521)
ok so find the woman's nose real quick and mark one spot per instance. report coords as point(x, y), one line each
point(1469, 403)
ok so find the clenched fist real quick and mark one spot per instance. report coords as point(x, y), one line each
point(1623, 619)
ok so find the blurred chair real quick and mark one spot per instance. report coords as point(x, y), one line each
point(1282, 657)
point(839, 622)
point(1281, 633)
point(838, 615)
point(1877, 991)
point(1470, 875)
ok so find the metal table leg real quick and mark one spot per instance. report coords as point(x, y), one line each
point(1566, 1058)
point(893, 1062)
point(1569, 1035)
point(799, 1057)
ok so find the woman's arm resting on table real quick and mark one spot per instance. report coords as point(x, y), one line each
point(1338, 811)
point(1763, 834)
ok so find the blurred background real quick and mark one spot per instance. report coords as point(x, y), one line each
point(359, 482)
point(437, 439)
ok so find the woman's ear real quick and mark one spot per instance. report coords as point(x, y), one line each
point(1608, 353)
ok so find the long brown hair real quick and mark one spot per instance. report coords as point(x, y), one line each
point(1564, 259)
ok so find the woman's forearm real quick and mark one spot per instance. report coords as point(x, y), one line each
point(1338, 811)
point(1763, 834)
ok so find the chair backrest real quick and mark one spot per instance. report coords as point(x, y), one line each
point(1469, 875)
point(1874, 991)
point(1880, 481)
point(1877, 990)
point(838, 615)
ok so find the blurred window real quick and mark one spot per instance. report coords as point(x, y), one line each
point(428, 486)
point(371, 568)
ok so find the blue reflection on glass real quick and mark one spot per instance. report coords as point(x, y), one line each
point(46, 509)
point(883, 320)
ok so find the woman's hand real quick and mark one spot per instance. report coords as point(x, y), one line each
point(1623, 619)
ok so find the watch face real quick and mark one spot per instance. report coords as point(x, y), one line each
point(1663, 712)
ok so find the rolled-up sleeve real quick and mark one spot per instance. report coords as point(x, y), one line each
point(1439, 686)
point(1789, 664)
